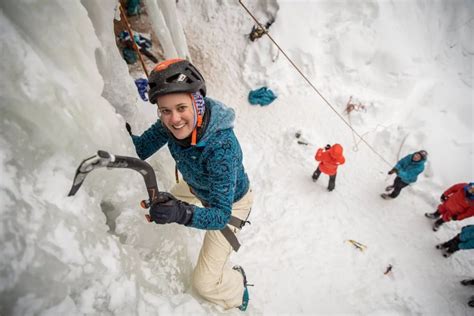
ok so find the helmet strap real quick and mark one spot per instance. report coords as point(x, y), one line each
point(198, 121)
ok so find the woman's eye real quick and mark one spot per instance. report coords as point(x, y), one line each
point(181, 109)
point(165, 112)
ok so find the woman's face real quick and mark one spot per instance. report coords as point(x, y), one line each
point(176, 111)
point(416, 157)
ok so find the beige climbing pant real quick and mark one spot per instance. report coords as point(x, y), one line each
point(213, 279)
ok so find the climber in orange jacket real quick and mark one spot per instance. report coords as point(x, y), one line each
point(330, 158)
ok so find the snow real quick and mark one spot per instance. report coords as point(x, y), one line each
point(65, 93)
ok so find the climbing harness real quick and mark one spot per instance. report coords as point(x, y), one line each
point(229, 234)
point(234, 221)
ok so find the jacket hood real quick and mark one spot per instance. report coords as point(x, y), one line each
point(222, 117)
point(336, 151)
point(469, 195)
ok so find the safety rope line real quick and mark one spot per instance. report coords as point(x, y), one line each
point(356, 144)
point(311, 84)
point(132, 38)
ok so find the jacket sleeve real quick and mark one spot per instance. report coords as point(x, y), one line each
point(402, 163)
point(467, 232)
point(342, 161)
point(150, 141)
point(468, 212)
point(414, 171)
point(319, 154)
point(454, 189)
point(420, 169)
point(467, 237)
point(222, 166)
point(465, 245)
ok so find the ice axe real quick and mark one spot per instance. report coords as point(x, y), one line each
point(357, 244)
point(104, 159)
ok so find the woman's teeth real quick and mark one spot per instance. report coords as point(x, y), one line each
point(178, 126)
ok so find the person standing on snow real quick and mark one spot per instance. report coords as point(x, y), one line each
point(457, 203)
point(463, 240)
point(330, 158)
point(407, 170)
point(200, 137)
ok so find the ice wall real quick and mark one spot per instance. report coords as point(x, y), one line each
point(167, 27)
point(65, 92)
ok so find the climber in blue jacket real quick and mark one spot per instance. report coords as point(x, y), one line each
point(215, 195)
point(407, 170)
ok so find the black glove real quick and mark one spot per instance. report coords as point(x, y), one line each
point(327, 147)
point(392, 171)
point(443, 198)
point(167, 209)
point(129, 128)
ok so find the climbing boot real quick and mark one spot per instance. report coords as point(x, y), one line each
point(467, 282)
point(245, 298)
point(437, 224)
point(316, 175)
point(434, 215)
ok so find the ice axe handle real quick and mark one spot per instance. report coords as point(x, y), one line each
point(146, 204)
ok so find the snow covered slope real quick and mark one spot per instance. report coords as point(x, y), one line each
point(65, 92)
point(412, 65)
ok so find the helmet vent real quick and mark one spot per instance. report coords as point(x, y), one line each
point(173, 78)
point(193, 74)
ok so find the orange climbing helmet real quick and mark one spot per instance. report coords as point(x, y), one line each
point(175, 75)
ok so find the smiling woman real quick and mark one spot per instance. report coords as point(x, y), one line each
point(177, 114)
point(200, 137)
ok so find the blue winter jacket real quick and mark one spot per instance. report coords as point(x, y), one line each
point(212, 168)
point(408, 170)
point(467, 237)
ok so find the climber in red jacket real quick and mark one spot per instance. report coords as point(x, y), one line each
point(457, 204)
point(330, 158)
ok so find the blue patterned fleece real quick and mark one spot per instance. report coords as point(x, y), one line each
point(213, 168)
point(467, 237)
point(408, 170)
